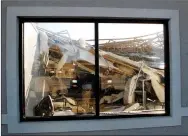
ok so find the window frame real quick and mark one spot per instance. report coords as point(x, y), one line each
point(96, 21)
point(14, 126)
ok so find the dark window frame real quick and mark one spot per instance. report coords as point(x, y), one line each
point(96, 21)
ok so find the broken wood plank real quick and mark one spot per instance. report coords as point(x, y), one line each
point(133, 107)
point(159, 90)
point(129, 97)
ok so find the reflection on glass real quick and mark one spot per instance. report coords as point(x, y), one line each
point(59, 69)
point(131, 69)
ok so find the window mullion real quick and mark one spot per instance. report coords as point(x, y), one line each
point(97, 84)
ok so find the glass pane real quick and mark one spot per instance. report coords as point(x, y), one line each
point(59, 69)
point(131, 69)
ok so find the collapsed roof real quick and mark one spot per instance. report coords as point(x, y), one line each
point(83, 55)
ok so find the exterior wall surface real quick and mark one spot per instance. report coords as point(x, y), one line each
point(182, 6)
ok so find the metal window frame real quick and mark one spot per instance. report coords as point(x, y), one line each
point(96, 21)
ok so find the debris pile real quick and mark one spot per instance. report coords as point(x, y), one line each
point(68, 68)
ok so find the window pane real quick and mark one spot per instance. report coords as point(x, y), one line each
point(59, 69)
point(131, 69)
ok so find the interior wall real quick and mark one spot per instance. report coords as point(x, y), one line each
point(182, 6)
point(30, 41)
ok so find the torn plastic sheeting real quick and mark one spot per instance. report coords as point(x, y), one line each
point(43, 42)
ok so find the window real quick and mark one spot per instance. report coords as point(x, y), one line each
point(89, 68)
